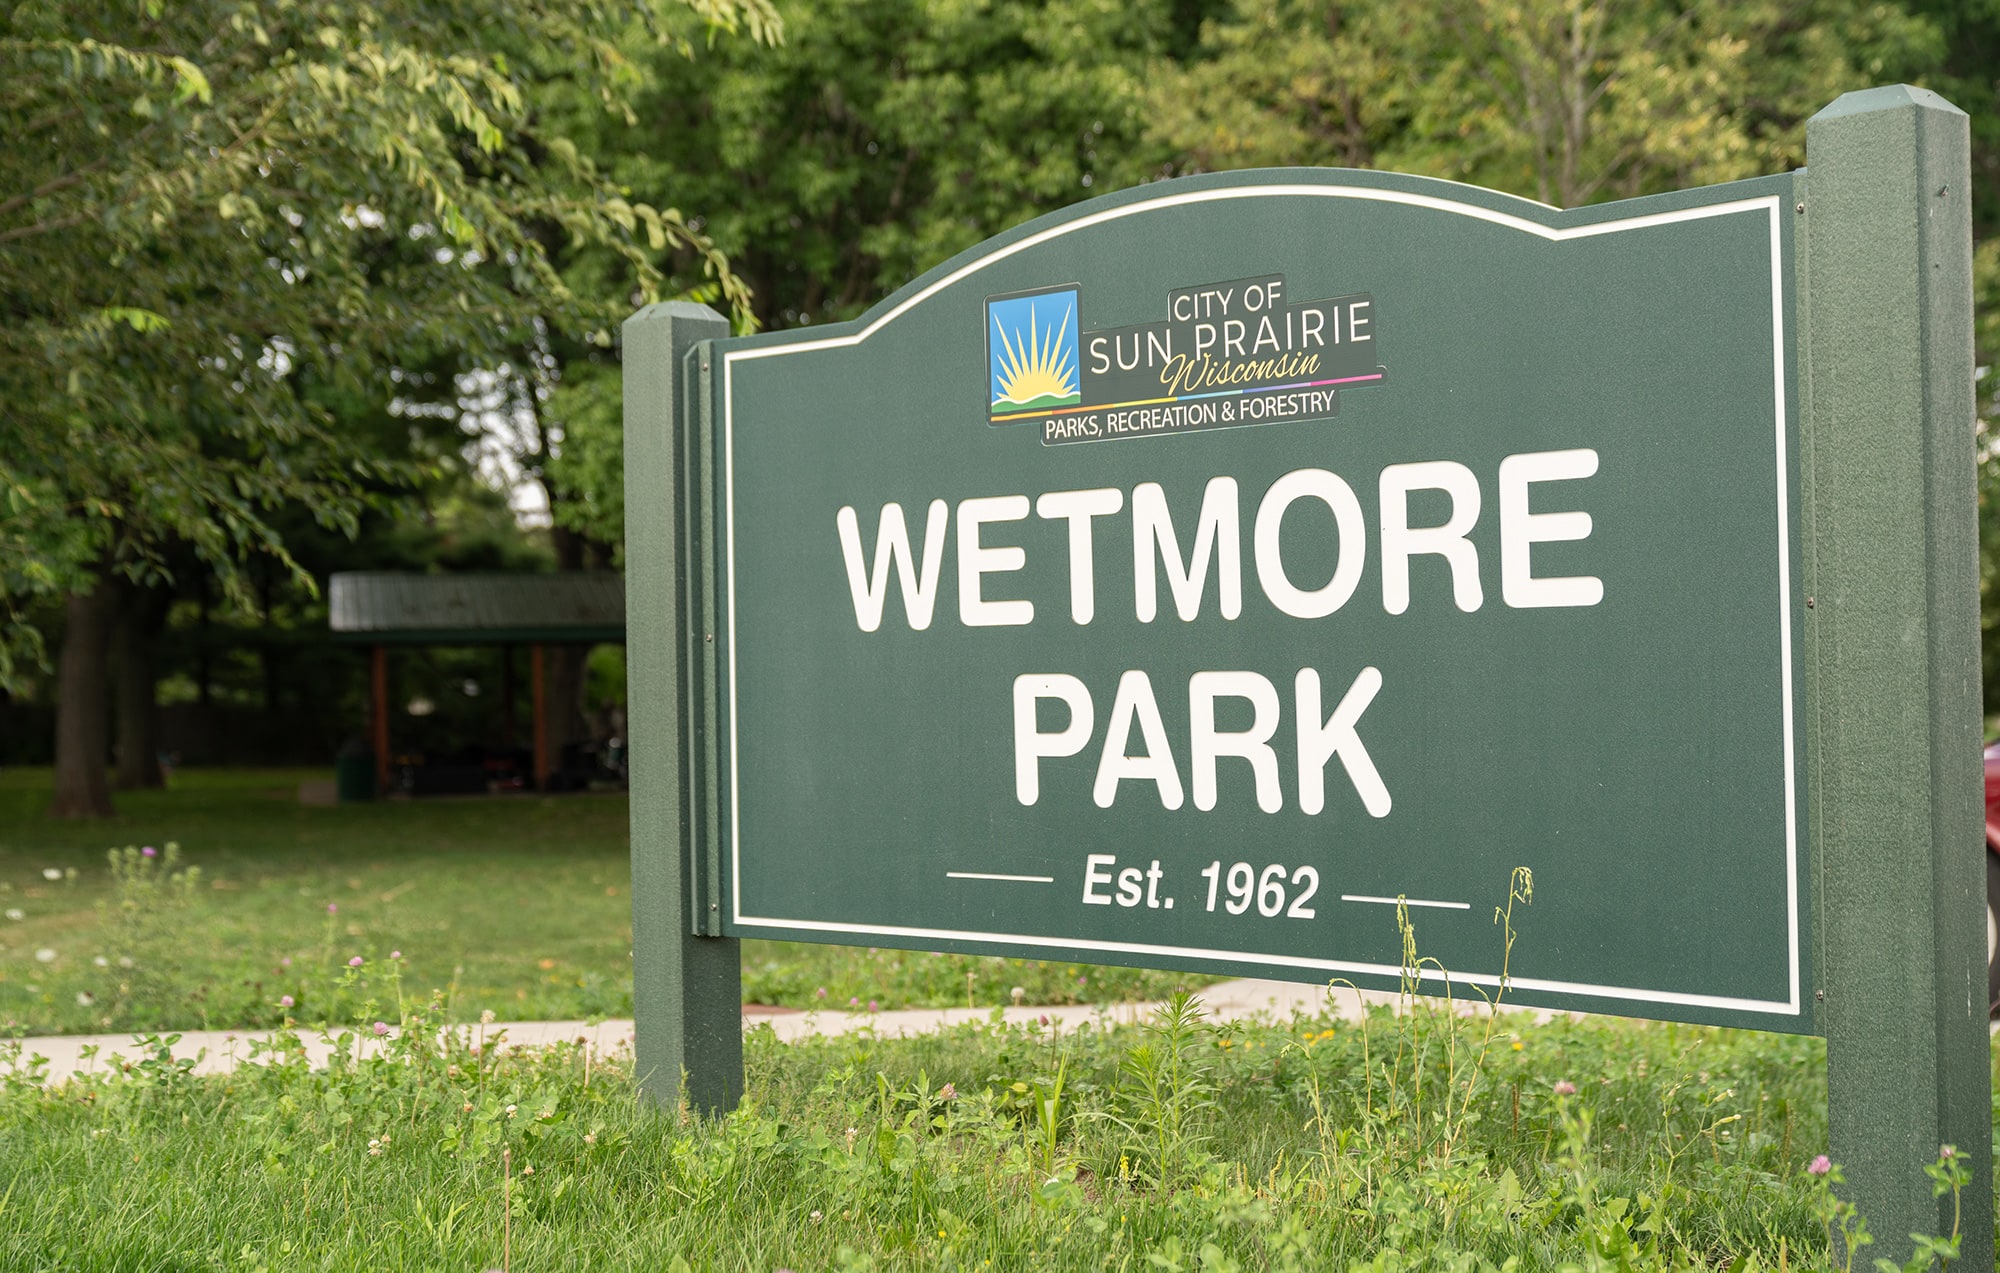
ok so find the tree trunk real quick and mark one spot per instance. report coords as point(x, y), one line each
point(141, 616)
point(82, 735)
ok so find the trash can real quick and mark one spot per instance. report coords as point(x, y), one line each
point(354, 772)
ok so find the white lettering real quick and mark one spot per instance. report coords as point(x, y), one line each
point(1336, 494)
point(1030, 744)
point(892, 543)
point(1401, 541)
point(1216, 535)
point(1520, 528)
point(1206, 743)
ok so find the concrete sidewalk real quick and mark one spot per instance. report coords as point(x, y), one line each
point(220, 1051)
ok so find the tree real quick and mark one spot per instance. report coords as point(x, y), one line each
point(214, 214)
point(883, 137)
point(1564, 101)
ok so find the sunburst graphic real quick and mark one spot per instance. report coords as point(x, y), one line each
point(1033, 352)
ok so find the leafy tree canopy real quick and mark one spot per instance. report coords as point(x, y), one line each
point(219, 217)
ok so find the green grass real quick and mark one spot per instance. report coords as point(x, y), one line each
point(1304, 1146)
point(517, 905)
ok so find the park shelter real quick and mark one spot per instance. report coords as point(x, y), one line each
point(382, 609)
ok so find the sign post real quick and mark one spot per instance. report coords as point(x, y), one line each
point(686, 978)
point(1201, 575)
point(1893, 654)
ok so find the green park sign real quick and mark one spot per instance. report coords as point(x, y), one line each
point(1188, 580)
point(1203, 575)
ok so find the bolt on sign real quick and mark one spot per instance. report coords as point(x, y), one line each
point(1201, 575)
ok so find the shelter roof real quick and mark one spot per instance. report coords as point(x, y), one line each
point(418, 609)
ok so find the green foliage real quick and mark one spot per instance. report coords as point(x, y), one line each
point(217, 217)
point(1562, 102)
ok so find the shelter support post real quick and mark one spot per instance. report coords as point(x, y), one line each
point(687, 987)
point(538, 690)
point(378, 675)
point(1890, 582)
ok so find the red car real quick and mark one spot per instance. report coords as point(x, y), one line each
point(1993, 877)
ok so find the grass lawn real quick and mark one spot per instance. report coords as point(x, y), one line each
point(517, 905)
point(1598, 1145)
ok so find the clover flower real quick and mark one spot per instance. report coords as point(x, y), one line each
point(1565, 1088)
point(149, 851)
point(286, 1001)
point(16, 913)
point(381, 1028)
point(51, 873)
point(333, 908)
point(948, 1093)
point(395, 954)
point(1819, 1166)
point(100, 961)
point(356, 962)
point(873, 1006)
point(45, 956)
point(486, 1017)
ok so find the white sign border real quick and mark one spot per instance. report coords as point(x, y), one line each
point(1770, 205)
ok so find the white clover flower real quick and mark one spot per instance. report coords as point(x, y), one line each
point(486, 1017)
point(16, 913)
point(100, 961)
point(45, 956)
point(51, 873)
point(124, 961)
point(84, 998)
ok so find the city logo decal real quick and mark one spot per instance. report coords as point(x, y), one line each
point(1228, 354)
point(1031, 350)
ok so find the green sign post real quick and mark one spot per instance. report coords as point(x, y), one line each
point(1193, 577)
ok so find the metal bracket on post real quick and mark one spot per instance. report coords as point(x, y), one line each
point(1892, 665)
point(686, 988)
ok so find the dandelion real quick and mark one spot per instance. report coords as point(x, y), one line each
point(486, 1017)
point(1018, 993)
point(45, 956)
point(1819, 1166)
point(1518, 1045)
point(381, 1028)
point(149, 851)
point(51, 873)
point(16, 913)
point(948, 1093)
point(100, 961)
point(286, 1001)
point(1565, 1088)
point(356, 962)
